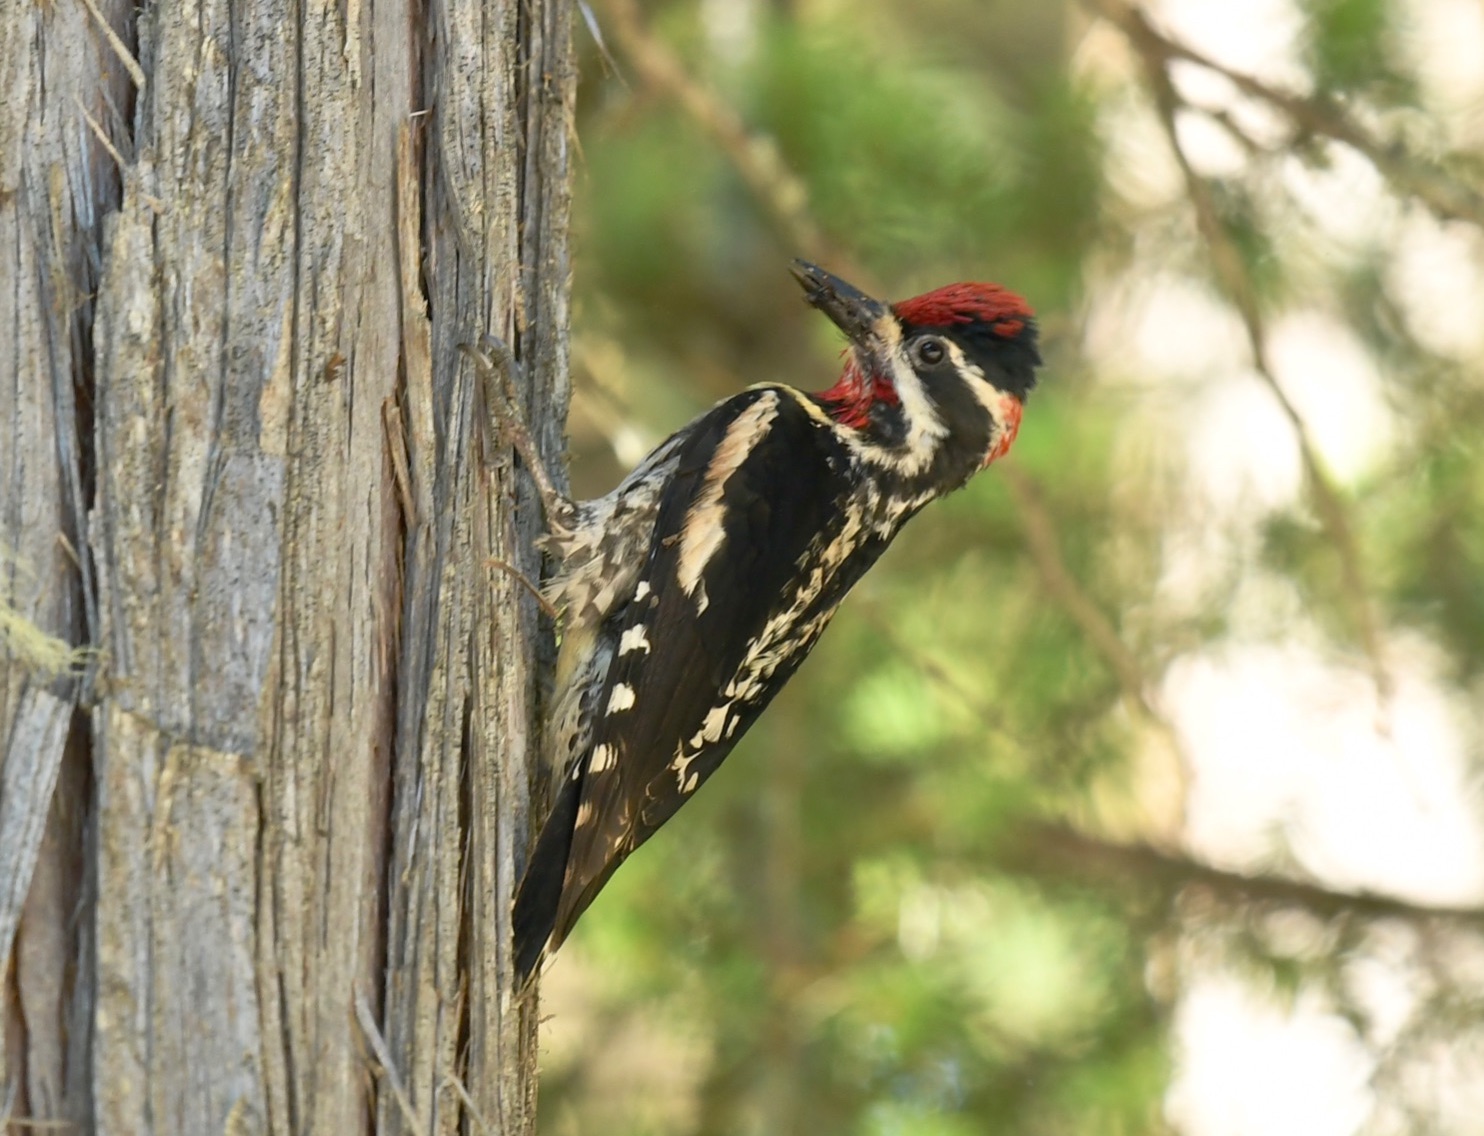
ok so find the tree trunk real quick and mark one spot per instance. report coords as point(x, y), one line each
point(257, 850)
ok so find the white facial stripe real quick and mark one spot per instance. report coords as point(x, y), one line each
point(1003, 409)
point(702, 536)
point(981, 388)
point(924, 426)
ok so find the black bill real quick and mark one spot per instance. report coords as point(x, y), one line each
point(852, 311)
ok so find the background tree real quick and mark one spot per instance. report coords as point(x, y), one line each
point(257, 836)
point(1136, 789)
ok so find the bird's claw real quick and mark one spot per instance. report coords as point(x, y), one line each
point(498, 370)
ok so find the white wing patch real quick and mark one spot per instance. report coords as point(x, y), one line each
point(716, 722)
point(622, 698)
point(686, 781)
point(702, 535)
point(605, 757)
point(634, 639)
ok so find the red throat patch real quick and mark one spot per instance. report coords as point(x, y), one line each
point(850, 400)
point(1002, 309)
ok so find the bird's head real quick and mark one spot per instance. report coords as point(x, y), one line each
point(934, 385)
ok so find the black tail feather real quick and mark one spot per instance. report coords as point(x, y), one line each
point(540, 891)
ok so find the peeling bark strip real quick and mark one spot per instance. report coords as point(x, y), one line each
point(241, 456)
point(38, 736)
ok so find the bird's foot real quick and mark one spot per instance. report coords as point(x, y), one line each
point(549, 608)
point(499, 372)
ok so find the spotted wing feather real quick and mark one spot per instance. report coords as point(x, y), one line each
point(771, 506)
point(704, 644)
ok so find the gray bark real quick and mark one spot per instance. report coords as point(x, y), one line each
point(256, 861)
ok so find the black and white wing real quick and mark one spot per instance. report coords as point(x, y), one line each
point(721, 616)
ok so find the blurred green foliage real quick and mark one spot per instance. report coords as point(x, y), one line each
point(1353, 48)
point(846, 926)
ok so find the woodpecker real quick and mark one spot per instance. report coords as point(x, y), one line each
point(692, 592)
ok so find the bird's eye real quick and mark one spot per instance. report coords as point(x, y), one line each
point(929, 351)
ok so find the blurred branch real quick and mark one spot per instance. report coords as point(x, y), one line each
point(1233, 277)
point(1099, 631)
point(1447, 197)
point(1062, 586)
point(1223, 118)
point(1041, 848)
point(780, 191)
point(604, 400)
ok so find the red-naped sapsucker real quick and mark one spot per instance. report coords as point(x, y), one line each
point(692, 592)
